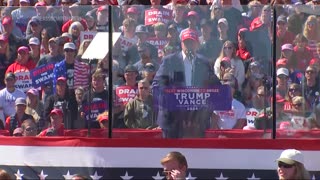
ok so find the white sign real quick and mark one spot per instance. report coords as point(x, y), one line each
point(99, 46)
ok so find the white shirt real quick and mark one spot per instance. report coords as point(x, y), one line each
point(187, 69)
point(228, 119)
point(7, 102)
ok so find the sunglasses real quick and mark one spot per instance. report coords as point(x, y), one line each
point(228, 48)
point(309, 72)
point(311, 23)
point(260, 95)
point(293, 90)
point(69, 50)
point(225, 80)
point(282, 76)
point(284, 165)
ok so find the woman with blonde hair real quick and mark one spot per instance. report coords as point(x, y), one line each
point(311, 31)
point(291, 165)
point(229, 50)
point(293, 91)
point(75, 29)
point(83, 47)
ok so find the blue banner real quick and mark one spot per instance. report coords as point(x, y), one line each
point(194, 98)
point(96, 108)
point(42, 75)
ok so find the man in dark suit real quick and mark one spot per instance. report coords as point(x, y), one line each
point(185, 68)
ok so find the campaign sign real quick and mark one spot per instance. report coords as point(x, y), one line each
point(193, 98)
point(154, 15)
point(87, 35)
point(159, 43)
point(23, 82)
point(126, 43)
point(124, 94)
point(42, 75)
point(251, 114)
point(96, 108)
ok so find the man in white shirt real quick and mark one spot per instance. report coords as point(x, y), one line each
point(232, 119)
point(8, 96)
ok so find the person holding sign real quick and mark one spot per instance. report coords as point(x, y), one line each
point(21, 69)
point(98, 93)
point(183, 69)
point(232, 119)
point(139, 112)
point(124, 93)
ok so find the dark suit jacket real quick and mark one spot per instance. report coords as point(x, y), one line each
point(172, 73)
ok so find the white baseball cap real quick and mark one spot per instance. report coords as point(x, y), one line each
point(224, 21)
point(291, 156)
point(69, 45)
point(34, 41)
point(283, 71)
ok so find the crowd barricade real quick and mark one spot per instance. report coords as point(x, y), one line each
point(4, 133)
point(157, 134)
point(258, 134)
point(116, 133)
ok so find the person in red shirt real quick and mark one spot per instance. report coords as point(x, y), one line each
point(302, 52)
point(21, 69)
point(243, 45)
point(57, 127)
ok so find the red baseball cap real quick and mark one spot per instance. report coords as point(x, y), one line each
point(57, 112)
point(192, 13)
point(280, 99)
point(226, 59)
point(132, 10)
point(40, 4)
point(190, 34)
point(62, 79)
point(23, 49)
point(103, 118)
point(282, 61)
point(314, 61)
point(102, 8)
point(6, 20)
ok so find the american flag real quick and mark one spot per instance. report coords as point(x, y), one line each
point(99, 158)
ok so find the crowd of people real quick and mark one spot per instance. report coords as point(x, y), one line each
point(181, 43)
